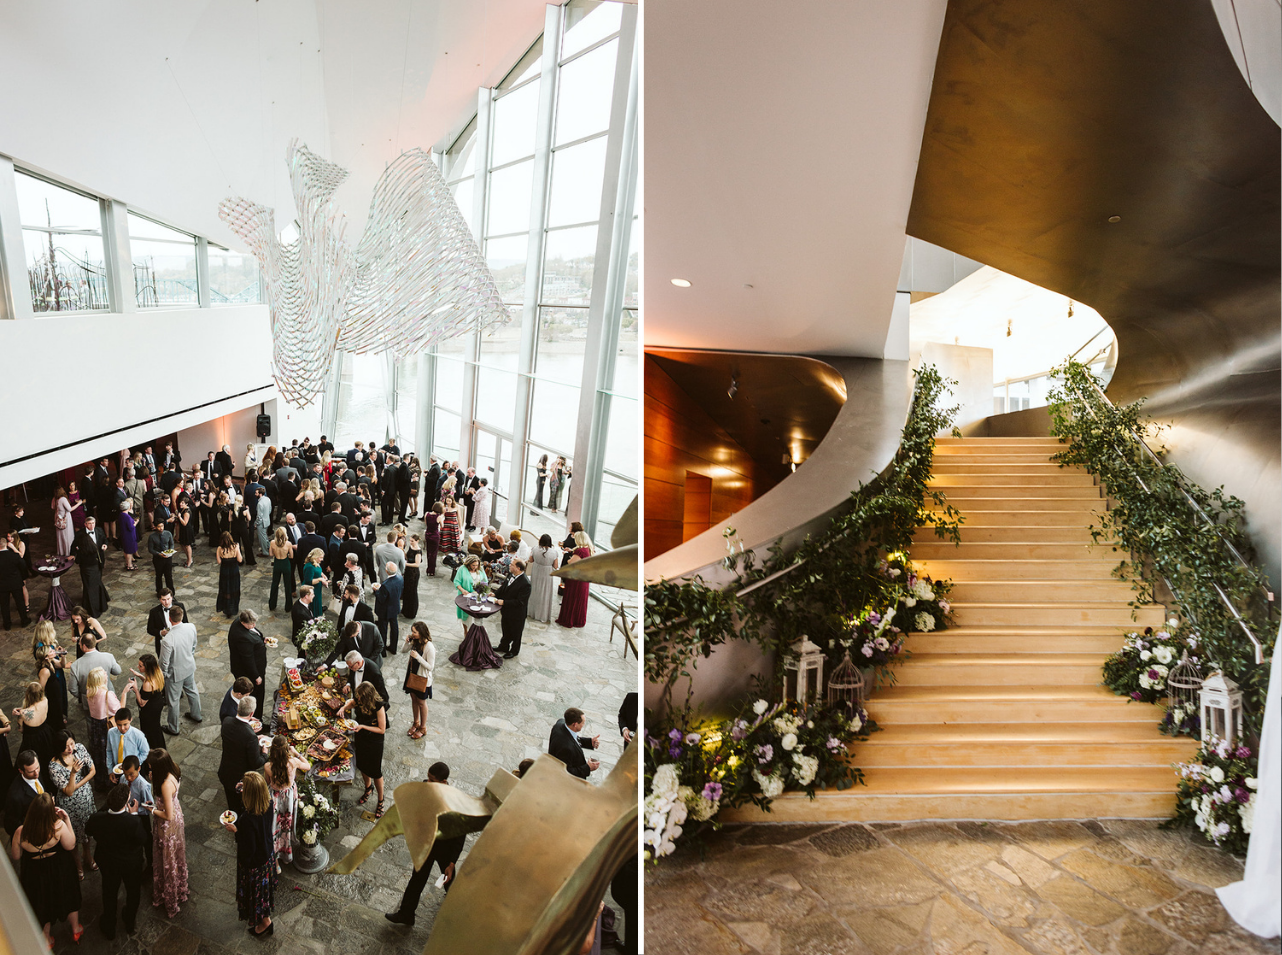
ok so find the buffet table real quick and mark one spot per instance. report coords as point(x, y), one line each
point(305, 709)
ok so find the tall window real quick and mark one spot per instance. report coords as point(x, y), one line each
point(62, 236)
point(233, 277)
point(164, 264)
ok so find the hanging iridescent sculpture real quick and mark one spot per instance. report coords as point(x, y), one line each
point(416, 278)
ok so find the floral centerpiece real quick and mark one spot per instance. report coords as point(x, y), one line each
point(1141, 668)
point(1217, 793)
point(480, 588)
point(317, 815)
point(318, 639)
point(692, 772)
point(922, 602)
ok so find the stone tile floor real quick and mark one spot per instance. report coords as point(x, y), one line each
point(1108, 887)
point(477, 722)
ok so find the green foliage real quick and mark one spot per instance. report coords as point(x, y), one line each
point(1152, 521)
point(830, 582)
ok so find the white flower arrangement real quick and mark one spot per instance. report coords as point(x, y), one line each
point(807, 766)
point(771, 786)
point(309, 837)
point(924, 622)
point(789, 741)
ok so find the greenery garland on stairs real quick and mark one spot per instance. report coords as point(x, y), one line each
point(1163, 536)
point(845, 589)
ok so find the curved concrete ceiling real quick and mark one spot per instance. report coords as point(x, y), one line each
point(780, 146)
point(172, 106)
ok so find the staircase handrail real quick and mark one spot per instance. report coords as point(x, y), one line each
point(1255, 642)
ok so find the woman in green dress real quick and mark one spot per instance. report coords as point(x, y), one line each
point(465, 581)
point(314, 577)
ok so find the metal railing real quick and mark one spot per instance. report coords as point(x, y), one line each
point(1152, 456)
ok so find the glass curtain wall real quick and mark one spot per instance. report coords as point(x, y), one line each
point(62, 237)
point(164, 264)
point(541, 175)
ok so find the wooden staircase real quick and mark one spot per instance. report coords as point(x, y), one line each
point(1002, 715)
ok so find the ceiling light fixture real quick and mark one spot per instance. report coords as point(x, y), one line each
point(1114, 218)
point(1008, 324)
point(681, 283)
point(733, 389)
point(1070, 308)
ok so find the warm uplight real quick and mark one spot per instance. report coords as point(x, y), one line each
point(681, 283)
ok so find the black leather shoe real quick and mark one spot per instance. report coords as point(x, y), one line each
point(399, 919)
point(169, 732)
point(509, 655)
point(194, 719)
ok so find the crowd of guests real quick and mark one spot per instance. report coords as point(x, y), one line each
point(335, 528)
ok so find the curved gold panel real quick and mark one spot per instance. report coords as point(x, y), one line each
point(1047, 120)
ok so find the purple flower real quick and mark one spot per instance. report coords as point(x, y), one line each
point(1136, 695)
point(1241, 795)
point(912, 580)
point(712, 792)
point(834, 744)
point(739, 730)
point(674, 750)
point(764, 753)
point(874, 618)
point(674, 734)
point(1154, 675)
point(1243, 753)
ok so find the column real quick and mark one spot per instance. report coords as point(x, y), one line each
point(15, 288)
point(120, 264)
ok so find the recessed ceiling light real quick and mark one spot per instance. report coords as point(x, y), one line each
point(1114, 218)
point(681, 283)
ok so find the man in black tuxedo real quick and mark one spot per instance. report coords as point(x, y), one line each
point(298, 464)
point(332, 520)
point(13, 572)
point(90, 551)
point(356, 454)
point(209, 469)
point(23, 790)
point(430, 484)
point(628, 717)
point(334, 552)
point(170, 456)
point(149, 461)
point(567, 745)
point(224, 461)
point(120, 841)
point(301, 613)
point(294, 532)
point(309, 542)
point(158, 619)
point(351, 607)
point(367, 534)
point(387, 605)
point(241, 752)
point(363, 669)
point(169, 480)
point(468, 489)
point(348, 503)
point(240, 688)
point(513, 599)
point(361, 636)
point(325, 445)
point(403, 482)
point(248, 654)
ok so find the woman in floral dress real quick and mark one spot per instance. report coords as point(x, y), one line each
point(168, 837)
point(71, 771)
point(451, 541)
point(255, 856)
point(282, 763)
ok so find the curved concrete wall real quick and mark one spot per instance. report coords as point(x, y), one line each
point(859, 445)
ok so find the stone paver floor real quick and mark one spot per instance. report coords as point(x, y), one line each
point(477, 722)
point(1112, 887)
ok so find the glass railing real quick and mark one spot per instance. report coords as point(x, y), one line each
point(1032, 391)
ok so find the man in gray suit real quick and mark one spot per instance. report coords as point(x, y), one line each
point(93, 657)
point(178, 663)
point(389, 552)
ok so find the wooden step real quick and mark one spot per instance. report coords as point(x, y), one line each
point(995, 457)
point(950, 443)
point(1083, 506)
point(1010, 550)
point(955, 793)
point(959, 464)
point(1014, 493)
point(1027, 640)
point(1040, 591)
point(1017, 669)
point(1081, 613)
point(1081, 518)
point(901, 704)
point(1048, 533)
point(1004, 478)
point(1032, 744)
point(1086, 569)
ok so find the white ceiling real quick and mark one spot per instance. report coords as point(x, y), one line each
point(172, 106)
point(781, 144)
point(976, 310)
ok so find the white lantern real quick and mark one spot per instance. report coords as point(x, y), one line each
point(1221, 708)
point(804, 670)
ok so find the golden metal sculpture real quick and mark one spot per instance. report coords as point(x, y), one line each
point(614, 568)
point(532, 882)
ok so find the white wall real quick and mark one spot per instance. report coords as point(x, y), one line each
point(79, 386)
point(972, 369)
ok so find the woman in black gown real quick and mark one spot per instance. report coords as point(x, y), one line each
point(37, 728)
point(371, 715)
point(45, 842)
point(185, 519)
point(149, 684)
point(228, 576)
point(413, 561)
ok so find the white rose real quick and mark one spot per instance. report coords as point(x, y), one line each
point(789, 742)
point(309, 837)
point(1251, 782)
point(1247, 812)
point(1217, 774)
point(910, 601)
point(1163, 654)
point(760, 707)
point(1145, 656)
point(856, 723)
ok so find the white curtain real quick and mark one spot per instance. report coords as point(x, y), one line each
point(1256, 902)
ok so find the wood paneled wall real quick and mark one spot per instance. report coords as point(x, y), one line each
point(681, 437)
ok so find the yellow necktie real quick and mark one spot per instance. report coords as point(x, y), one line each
point(39, 789)
point(120, 750)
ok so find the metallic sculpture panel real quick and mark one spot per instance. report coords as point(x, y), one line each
point(415, 278)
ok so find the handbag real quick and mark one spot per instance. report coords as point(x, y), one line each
point(416, 682)
point(335, 605)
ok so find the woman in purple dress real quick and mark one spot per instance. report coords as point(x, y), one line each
point(64, 517)
point(128, 534)
point(574, 605)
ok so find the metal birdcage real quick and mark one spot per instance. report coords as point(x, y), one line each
point(846, 686)
point(1184, 687)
